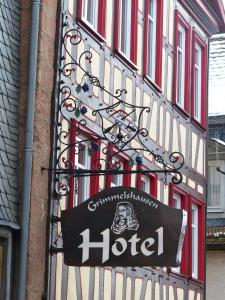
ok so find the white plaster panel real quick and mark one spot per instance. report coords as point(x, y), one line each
point(119, 286)
point(96, 289)
point(72, 288)
point(85, 276)
point(79, 72)
point(201, 158)
point(106, 81)
point(58, 276)
point(128, 290)
point(175, 136)
point(194, 146)
point(153, 123)
point(137, 289)
point(161, 126)
point(183, 133)
point(107, 284)
point(95, 69)
point(180, 294)
point(148, 293)
point(171, 293)
point(167, 135)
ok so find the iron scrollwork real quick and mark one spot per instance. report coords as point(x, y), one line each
point(120, 130)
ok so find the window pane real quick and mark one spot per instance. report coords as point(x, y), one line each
point(180, 66)
point(125, 27)
point(194, 241)
point(90, 12)
point(151, 43)
point(214, 187)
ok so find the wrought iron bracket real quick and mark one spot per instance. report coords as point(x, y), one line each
point(119, 131)
point(54, 250)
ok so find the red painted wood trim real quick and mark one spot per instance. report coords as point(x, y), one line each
point(204, 66)
point(72, 159)
point(153, 185)
point(116, 27)
point(159, 43)
point(180, 20)
point(126, 177)
point(133, 32)
point(101, 17)
point(79, 9)
point(94, 180)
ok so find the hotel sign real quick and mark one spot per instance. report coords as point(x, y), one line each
point(123, 227)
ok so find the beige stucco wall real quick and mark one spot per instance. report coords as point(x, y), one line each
point(215, 275)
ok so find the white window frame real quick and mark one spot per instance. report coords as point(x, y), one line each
point(176, 204)
point(124, 43)
point(93, 6)
point(198, 81)
point(146, 180)
point(119, 177)
point(180, 68)
point(194, 235)
point(85, 179)
point(151, 39)
point(220, 205)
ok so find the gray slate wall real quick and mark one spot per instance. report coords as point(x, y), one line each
point(9, 95)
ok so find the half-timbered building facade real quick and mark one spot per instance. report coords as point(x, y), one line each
point(157, 51)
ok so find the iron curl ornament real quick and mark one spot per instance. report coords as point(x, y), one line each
point(120, 131)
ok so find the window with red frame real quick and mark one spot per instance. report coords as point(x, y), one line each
point(125, 38)
point(81, 188)
point(93, 14)
point(147, 183)
point(196, 246)
point(153, 40)
point(199, 79)
point(181, 83)
point(178, 199)
point(119, 163)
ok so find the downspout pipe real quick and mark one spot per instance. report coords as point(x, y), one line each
point(28, 149)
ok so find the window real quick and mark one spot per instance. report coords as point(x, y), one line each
point(181, 83)
point(197, 238)
point(176, 204)
point(199, 80)
point(91, 14)
point(178, 199)
point(82, 184)
point(125, 38)
point(147, 183)
point(117, 180)
point(81, 188)
point(180, 66)
point(153, 40)
point(216, 191)
point(194, 234)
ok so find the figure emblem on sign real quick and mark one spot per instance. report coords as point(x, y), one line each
point(124, 218)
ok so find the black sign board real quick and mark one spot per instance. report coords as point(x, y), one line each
point(123, 227)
